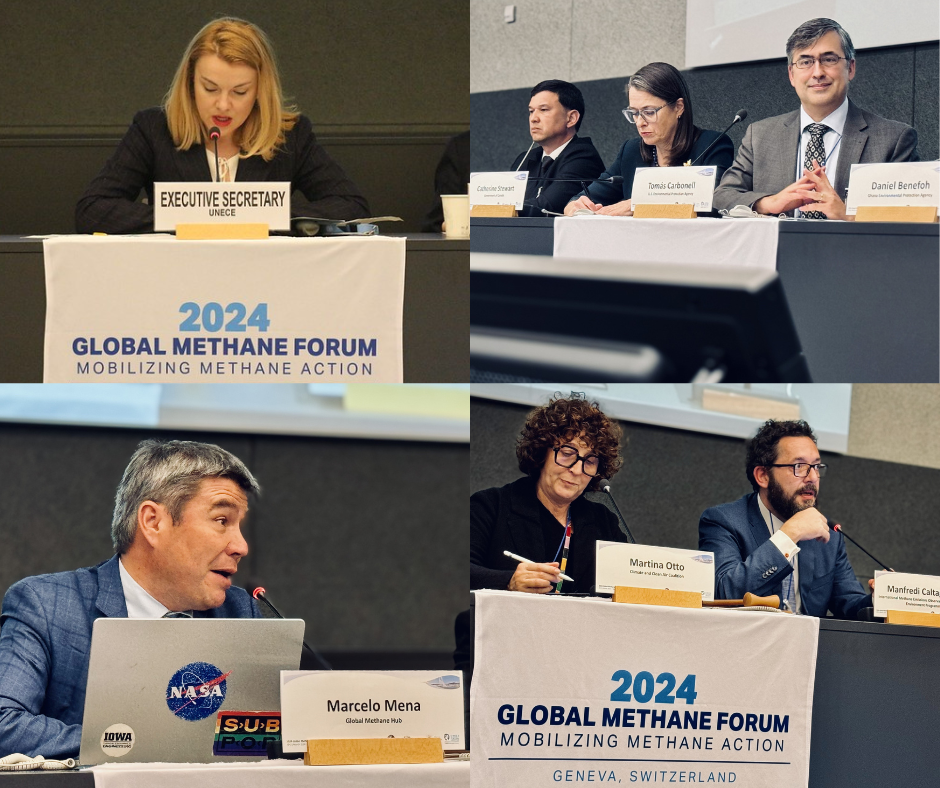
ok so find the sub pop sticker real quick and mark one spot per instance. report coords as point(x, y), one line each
point(196, 691)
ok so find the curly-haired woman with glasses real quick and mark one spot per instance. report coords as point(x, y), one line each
point(565, 448)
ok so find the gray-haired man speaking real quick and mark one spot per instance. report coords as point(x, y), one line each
point(176, 530)
point(801, 161)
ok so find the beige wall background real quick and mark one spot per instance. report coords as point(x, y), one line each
point(897, 422)
point(574, 40)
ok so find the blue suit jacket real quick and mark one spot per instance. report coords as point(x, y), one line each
point(746, 560)
point(45, 644)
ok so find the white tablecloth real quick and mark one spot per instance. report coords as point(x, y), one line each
point(155, 309)
point(280, 774)
point(564, 687)
point(704, 241)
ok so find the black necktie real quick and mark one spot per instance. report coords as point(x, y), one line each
point(815, 150)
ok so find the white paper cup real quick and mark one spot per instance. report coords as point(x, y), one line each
point(456, 215)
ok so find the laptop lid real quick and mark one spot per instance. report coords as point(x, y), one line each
point(156, 686)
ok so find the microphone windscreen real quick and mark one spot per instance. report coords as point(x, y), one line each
point(214, 133)
point(741, 114)
point(604, 485)
point(615, 179)
point(257, 592)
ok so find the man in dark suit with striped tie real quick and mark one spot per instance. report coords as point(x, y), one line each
point(800, 162)
point(176, 529)
point(556, 110)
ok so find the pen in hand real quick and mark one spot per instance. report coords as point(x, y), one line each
point(522, 560)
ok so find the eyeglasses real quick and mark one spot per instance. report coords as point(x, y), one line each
point(649, 113)
point(567, 457)
point(802, 469)
point(826, 61)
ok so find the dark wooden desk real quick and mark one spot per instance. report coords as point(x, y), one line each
point(876, 706)
point(865, 298)
point(434, 326)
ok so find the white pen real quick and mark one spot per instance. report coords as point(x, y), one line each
point(522, 560)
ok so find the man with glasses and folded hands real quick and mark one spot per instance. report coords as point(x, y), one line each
point(801, 161)
point(774, 540)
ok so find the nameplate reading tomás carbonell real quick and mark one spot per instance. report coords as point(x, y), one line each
point(675, 186)
point(893, 184)
point(358, 704)
point(498, 188)
point(250, 202)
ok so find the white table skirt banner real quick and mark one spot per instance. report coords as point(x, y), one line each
point(706, 241)
point(589, 690)
point(281, 774)
point(155, 309)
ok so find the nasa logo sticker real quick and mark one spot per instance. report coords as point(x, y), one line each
point(117, 740)
point(196, 691)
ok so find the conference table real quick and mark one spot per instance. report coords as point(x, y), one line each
point(875, 706)
point(436, 309)
point(865, 298)
point(283, 774)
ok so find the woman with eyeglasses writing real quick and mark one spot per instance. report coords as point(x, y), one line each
point(661, 109)
point(565, 448)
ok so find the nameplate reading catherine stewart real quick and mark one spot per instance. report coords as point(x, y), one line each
point(260, 202)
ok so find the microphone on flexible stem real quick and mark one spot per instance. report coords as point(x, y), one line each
point(608, 179)
point(613, 179)
point(605, 486)
point(214, 134)
point(259, 594)
point(539, 179)
point(741, 115)
point(836, 527)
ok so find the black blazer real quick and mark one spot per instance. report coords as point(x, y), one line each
point(512, 518)
point(579, 160)
point(147, 154)
point(629, 158)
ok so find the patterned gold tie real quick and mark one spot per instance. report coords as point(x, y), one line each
point(814, 150)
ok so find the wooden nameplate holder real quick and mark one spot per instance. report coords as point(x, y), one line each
point(664, 211)
point(896, 213)
point(243, 231)
point(339, 752)
point(494, 211)
point(657, 596)
point(913, 618)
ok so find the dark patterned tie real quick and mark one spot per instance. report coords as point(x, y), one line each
point(544, 166)
point(171, 614)
point(814, 150)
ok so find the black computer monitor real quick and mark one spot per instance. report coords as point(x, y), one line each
point(566, 320)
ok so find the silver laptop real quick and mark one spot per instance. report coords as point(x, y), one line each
point(185, 690)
